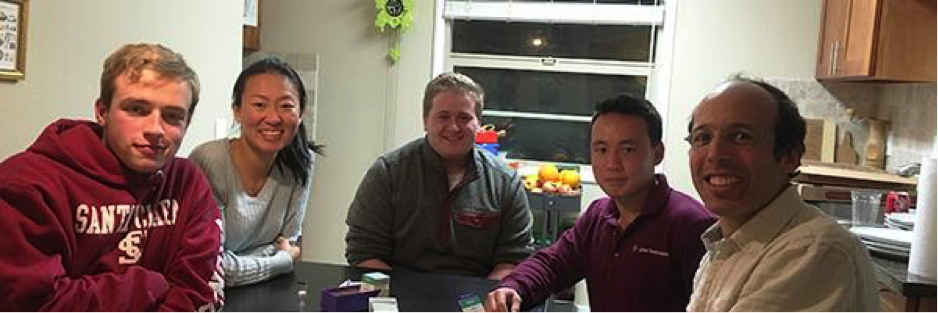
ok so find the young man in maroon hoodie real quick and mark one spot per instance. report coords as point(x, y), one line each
point(101, 216)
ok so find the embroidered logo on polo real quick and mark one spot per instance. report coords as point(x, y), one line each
point(134, 219)
point(652, 251)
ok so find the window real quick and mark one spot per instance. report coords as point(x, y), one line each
point(544, 64)
point(608, 42)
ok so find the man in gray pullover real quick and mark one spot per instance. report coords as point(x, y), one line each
point(438, 203)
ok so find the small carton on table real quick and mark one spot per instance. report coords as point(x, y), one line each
point(377, 281)
point(345, 299)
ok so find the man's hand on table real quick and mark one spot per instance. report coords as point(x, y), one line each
point(503, 300)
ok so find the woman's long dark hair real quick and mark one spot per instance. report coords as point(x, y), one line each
point(295, 156)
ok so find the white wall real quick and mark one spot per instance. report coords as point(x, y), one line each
point(714, 39)
point(366, 106)
point(68, 40)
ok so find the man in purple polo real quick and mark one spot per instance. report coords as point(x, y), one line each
point(638, 248)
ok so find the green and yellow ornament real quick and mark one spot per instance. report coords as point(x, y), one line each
point(396, 15)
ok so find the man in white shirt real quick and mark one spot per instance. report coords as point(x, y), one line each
point(769, 251)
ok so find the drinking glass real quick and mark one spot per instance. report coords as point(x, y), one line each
point(866, 209)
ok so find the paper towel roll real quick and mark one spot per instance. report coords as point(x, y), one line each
point(922, 256)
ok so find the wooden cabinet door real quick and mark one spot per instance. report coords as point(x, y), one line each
point(834, 19)
point(906, 49)
point(847, 38)
point(856, 57)
point(877, 40)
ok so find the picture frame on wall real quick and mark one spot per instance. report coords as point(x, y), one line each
point(13, 21)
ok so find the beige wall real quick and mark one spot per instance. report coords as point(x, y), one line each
point(715, 39)
point(67, 44)
point(365, 106)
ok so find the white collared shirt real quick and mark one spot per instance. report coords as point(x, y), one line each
point(790, 256)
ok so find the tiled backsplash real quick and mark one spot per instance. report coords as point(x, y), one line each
point(909, 109)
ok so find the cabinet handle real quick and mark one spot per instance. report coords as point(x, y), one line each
point(835, 58)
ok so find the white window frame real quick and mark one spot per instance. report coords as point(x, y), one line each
point(550, 12)
point(657, 71)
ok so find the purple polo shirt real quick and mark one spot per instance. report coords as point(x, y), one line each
point(648, 266)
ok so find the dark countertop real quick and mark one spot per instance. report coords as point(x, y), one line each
point(895, 275)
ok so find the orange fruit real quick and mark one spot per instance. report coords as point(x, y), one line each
point(570, 177)
point(548, 172)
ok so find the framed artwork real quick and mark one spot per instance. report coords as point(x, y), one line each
point(13, 15)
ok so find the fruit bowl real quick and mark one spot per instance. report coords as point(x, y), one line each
point(550, 180)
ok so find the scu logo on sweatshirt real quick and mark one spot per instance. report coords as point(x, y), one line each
point(133, 219)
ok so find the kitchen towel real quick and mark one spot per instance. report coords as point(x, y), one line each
point(922, 257)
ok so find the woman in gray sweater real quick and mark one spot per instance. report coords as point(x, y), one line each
point(261, 179)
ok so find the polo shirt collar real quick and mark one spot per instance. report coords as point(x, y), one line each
point(658, 196)
point(765, 225)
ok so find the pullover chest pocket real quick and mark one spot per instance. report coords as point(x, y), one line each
point(476, 232)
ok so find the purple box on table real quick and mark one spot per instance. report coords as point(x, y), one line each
point(345, 299)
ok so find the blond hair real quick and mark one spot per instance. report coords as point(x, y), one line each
point(133, 59)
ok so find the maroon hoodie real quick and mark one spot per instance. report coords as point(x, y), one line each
point(81, 232)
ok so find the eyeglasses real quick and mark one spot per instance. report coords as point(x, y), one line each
point(738, 137)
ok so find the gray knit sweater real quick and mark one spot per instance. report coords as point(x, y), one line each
point(252, 223)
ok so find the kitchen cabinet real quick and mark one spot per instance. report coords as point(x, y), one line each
point(877, 40)
point(251, 34)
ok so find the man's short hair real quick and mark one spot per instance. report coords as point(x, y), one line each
point(630, 105)
point(134, 58)
point(790, 127)
point(452, 81)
